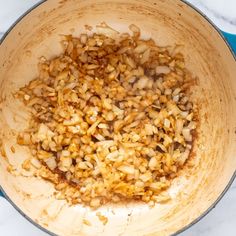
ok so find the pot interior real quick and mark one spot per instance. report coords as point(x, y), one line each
point(207, 56)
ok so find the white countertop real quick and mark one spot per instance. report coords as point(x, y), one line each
point(221, 220)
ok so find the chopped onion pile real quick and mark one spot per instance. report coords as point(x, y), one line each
point(111, 119)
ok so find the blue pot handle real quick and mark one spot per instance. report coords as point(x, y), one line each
point(1, 194)
point(231, 39)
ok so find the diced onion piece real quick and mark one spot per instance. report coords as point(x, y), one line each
point(51, 163)
point(187, 134)
point(162, 70)
point(142, 82)
point(127, 169)
point(141, 48)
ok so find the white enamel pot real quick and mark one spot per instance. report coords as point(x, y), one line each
point(198, 188)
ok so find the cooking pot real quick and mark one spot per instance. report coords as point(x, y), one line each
point(209, 173)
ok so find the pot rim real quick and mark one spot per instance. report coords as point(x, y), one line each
point(213, 205)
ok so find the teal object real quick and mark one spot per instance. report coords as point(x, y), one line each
point(231, 39)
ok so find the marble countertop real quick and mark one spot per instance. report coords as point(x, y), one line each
point(221, 220)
